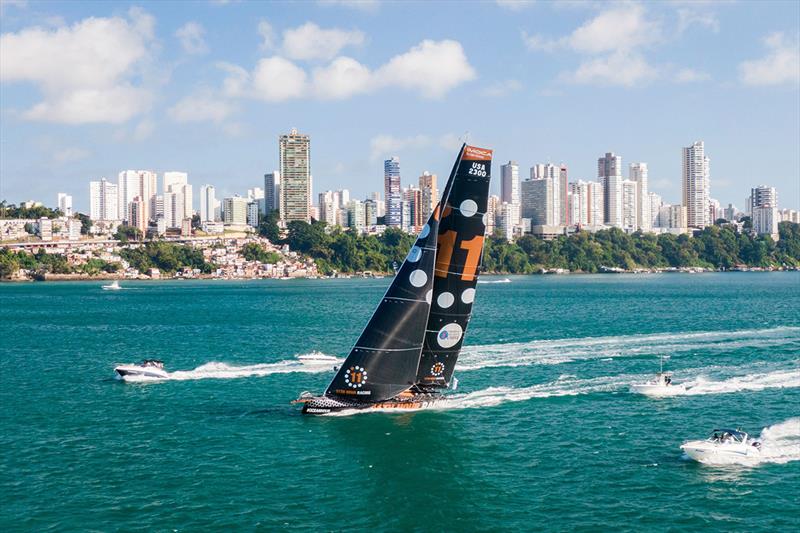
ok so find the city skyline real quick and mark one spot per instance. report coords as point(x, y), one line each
point(563, 92)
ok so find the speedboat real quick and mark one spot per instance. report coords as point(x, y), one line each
point(115, 286)
point(660, 386)
point(149, 368)
point(724, 446)
point(317, 358)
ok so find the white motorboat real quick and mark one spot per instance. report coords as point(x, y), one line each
point(317, 358)
point(115, 286)
point(660, 386)
point(148, 369)
point(724, 446)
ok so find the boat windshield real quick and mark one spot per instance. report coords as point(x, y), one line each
point(153, 362)
point(723, 435)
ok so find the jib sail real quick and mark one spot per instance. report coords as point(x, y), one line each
point(458, 258)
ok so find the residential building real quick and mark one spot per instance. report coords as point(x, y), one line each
point(65, 204)
point(272, 191)
point(765, 220)
point(638, 173)
point(137, 214)
point(430, 194)
point(539, 201)
point(609, 173)
point(178, 182)
point(136, 183)
point(696, 192)
point(355, 215)
point(252, 213)
point(209, 205)
point(654, 202)
point(103, 200)
point(46, 229)
point(510, 190)
point(762, 196)
point(370, 212)
point(730, 212)
point(492, 211)
point(392, 192)
point(295, 176)
point(413, 196)
point(234, 211)
point(630, 211)
point(789, 215)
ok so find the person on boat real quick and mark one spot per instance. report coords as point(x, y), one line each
point(667, 380)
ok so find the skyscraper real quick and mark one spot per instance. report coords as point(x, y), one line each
point(509, 188)
point(554, 210)
point(430, 195)
point(133, 183)
point(630, 211)
point(763, 195)
point(295, 176)
point(235, 210)
point(178, 182)
point(65, 204)
point(538, 201)
point(272, 191)
point(392, 193)
point(413, 196)
point(209, 205)
point(137, 214)
point(563, 196)
point(103, 200)
point(638, 173)
point(609, 171)
point(696, 185)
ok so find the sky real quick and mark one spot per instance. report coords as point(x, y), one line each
point(88, 89)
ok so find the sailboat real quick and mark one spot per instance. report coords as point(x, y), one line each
point(406, 355)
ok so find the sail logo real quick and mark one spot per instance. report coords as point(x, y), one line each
point(355, 377)
point(472, 153)
point(449, 335)
point(437, 369)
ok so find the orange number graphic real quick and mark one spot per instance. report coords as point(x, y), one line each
point(473, 248)
point(446, 242)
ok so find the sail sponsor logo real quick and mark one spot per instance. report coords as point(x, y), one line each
point(437, 369)
point(355, 377)
point(449, 335)
point(473, 153)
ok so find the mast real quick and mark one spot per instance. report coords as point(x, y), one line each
point(384, 360)
point(458, 259)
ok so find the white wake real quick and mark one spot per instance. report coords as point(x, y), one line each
point(780, 443)
point(553, 352)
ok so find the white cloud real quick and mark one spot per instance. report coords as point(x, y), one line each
point(780, 65)
point(192, 38)
point(70, 154)
point(693, 15)
point(363, 5)
point(85, 72)
point(431, 67)
point(689, 75)
point(514, 5)
point(237, 80)
point(619, 68)
point(276, 79)
point(309, 41)
point(201, 107)
point(502, 88)
point(267, 35)
point(343, 78)
point(143, 130)
point(384, 145)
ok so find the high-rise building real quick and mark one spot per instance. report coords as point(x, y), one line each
point(557, 203)
point(328, 207)
point(235, 210)
point(174, 208)
point(609, 172)
point(638, 173)
point(295, 176)
point(370, 212)
point(355, 215)
point(763, 195)
point(413, 196)
point(789, 215)
point(586, 203)
point(539, 197)
point(103, 200)
point(510, 190)
point(137, 214)
point(630, 211)
point(178, 182)
point(729, 213)
point(133, 183)
point(209, 205)
point(392, 192)
point(563, 195)
point(654, 203)
point(65, 204)
point(765, 220)
point(430, 195)
point(696, 185)
point(272, 191)
point(252, 213)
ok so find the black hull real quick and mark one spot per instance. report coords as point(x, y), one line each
point(326, 405)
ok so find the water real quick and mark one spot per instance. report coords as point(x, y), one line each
point(542, 433)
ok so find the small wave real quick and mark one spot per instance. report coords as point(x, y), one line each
point(751, 382)
point(489, 281)
point(553, 352)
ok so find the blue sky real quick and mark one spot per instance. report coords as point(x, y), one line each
point(89, 89)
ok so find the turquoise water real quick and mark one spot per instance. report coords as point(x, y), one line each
point(541, 435)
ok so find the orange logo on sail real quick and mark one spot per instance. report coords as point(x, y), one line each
point(355, 377)
point(437, 369)
point(473, 153)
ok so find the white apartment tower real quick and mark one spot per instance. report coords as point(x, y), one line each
point(272, 191)
point(696, 186)
point(137, 183)
point(763, 195)
point(65, 204)
point(630, 211)
point(103, 200)
point(178, 182)
point(638, 173)
point(510, 191)
point(209, 205)
point(295, 176)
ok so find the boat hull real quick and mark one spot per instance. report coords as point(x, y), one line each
point(658, 391)
point(328, 405)
point(133, 372)
point(707, 452)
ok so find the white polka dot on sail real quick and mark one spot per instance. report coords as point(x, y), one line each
point(424, 232)
point(449, 335)
point(468, 208)
point(429, 296)
point(445, 300)
point(468, 296)
point(418, 278)
point(414, 254)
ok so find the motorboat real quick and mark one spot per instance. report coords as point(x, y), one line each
point(317, 358)
point(114, 286)
point(660, 386)
point(724, 446)
point(149, 368)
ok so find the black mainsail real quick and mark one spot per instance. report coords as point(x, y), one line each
point(458, 260)
point(410, 345)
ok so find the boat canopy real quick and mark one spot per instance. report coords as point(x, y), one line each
point(735, 433)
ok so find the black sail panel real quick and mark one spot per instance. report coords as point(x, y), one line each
point(385, 359)
point(458, 259)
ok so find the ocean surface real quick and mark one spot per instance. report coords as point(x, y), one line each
point(541, 435)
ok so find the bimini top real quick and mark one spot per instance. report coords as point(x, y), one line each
point(735, 433)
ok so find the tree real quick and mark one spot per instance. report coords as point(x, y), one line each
point(254, 252)
point(268, 226)
point(127, 233)
point(86, 223)
point(196, 221)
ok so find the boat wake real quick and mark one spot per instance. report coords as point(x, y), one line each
point(780, 379)
point(553, 352)
point(490, 281)
point(218, 370)
point(780, 443)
